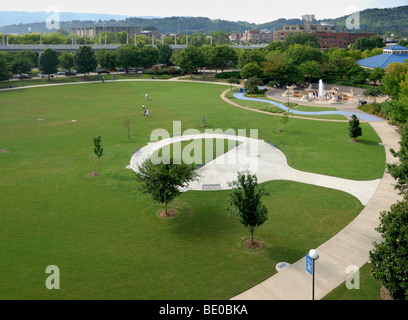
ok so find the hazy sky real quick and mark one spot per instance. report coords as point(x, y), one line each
point(257, 11)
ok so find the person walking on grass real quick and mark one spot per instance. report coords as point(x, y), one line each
point(147, 112)
point(146, 96)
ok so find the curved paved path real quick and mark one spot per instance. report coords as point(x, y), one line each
point(360, 115)
point(257, 156)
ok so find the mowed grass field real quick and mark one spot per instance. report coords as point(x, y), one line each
point(105, 235)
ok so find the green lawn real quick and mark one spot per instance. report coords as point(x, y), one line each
point(369, 288)
point(106, 236)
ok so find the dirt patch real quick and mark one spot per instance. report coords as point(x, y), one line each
point(354, 140)
point(258, 244)
point(93, 174)
point(4, 151)
point(385, 294)
point(170, 213)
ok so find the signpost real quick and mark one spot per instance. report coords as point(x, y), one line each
point(310, 266)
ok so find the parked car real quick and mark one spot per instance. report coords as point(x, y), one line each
point(45, 75)
point(70, 73)
point(100, 71)
point(121, 70)
point(23, 75)
point(61, 73)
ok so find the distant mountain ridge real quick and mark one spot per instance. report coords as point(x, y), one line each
point(381, 21)
point(24, 17)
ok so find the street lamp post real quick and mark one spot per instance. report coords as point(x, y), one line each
point(314, 256)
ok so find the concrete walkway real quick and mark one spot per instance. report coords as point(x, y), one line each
point(257, 156)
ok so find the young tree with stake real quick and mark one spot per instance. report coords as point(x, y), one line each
point(245, 202)
point(98, 150)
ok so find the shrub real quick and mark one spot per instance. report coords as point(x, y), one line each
point(229, 74)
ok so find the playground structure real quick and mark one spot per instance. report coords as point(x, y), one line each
point(309, 94)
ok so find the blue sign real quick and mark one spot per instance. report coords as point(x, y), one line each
point(309, 264)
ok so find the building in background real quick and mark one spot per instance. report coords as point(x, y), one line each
point(395, 53)
point(252, 36)
point(325, 32)
point(93, 31)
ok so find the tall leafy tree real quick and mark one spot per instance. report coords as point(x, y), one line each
point(245, 203)
point(395, 73)
point(164, 180)
point(66, 60)
point(276, 65)
point(251, 70)
point(399, 170)
point(389, 258)
point(48, 62)
point(4, 67)
point(128, 56)
point(190, 58)
point(223, 56)
point(165, 52)
point(85, 59)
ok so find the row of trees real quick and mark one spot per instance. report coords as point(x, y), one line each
point(122, 37)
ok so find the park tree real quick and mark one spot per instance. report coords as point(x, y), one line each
point(165, 179)
point(339, 65)
point(98, 151)
point(354, 128)
point(85, 59)
point(389, 258)
point(252, 85)
point(165, 52)
point(126, 124)
point(48, 62)
point(106, 59)
point(283, 120)
point(223, 56)
point(399, 170)
point(310, 70)
point(275, 65)
point(149, 55)
point(373, 92)
point(251, 70)
point(303, 38)
point(246, 56)
point(128, 56)
point(300, 53)
point(245, 203)
point(190, 58)
point(233, 81)
point(395, 73)
point(23, 61)
point(4, 67)
point(66, 60)
point(396, 109)
point(376, 74)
